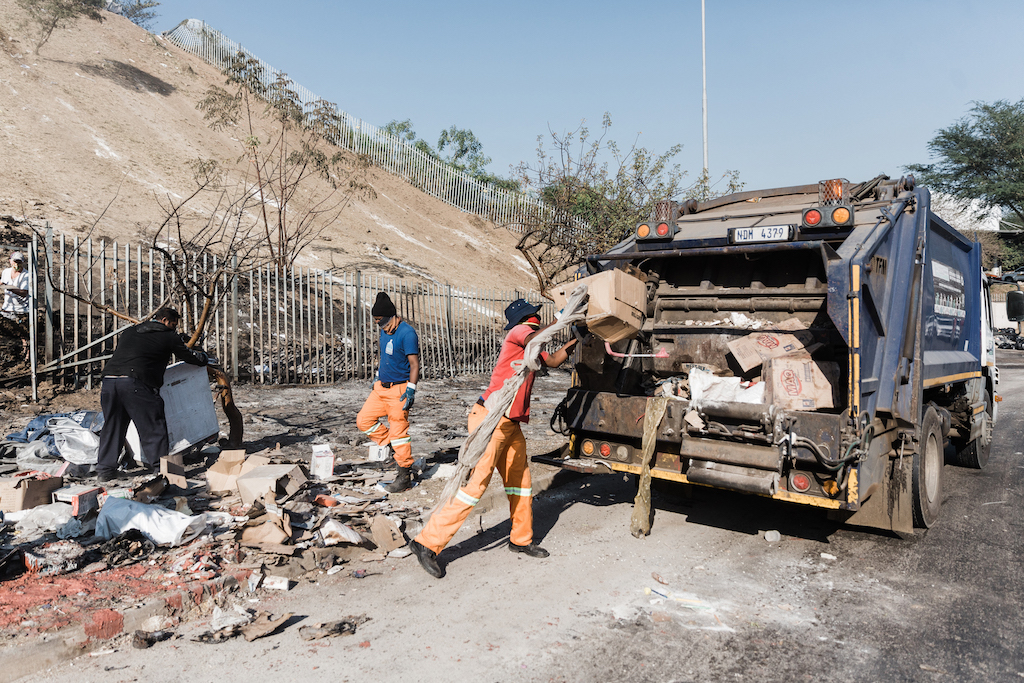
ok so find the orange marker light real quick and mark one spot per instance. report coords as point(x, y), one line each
point(840, 215)
point(643, 231)
point(587, 448)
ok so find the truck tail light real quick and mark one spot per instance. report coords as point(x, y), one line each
point(826, 218)
point(606, 450)
point(800, 482)
point(587, 447)
point(659, 230)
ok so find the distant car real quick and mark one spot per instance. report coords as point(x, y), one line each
point(1013, 276)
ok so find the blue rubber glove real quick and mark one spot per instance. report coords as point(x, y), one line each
point(409, 396)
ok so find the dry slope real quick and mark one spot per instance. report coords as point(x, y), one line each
point(106, 115)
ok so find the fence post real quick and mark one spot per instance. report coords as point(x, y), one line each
point(234, 317)
point(48, 295)
point(358, 315)
point(33, 312)
point(451, 333)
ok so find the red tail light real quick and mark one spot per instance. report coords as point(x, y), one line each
point(800, 481)
point(812, 217)
point(606, 450)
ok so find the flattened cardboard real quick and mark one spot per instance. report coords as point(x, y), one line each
point(618, 302)
point(386, 535)
point(800, 383)
point(173, 467)
point(26, 492)
point(286, 479)
point(223, 474)
point(758, 347)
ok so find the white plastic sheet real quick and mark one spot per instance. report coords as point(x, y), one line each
point(160, 525)
point(77, 444)
point(705, 386)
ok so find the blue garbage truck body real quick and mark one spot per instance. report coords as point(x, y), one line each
point(868, 320)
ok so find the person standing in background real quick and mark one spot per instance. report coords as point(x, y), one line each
point(14, 312)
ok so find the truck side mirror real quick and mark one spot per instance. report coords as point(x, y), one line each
point(1015, 306)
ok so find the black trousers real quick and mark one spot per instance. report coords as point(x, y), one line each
point(124, 400)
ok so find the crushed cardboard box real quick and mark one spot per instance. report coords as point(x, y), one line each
point(617, 305)
point(787, 338)
point(798, 382)
point(223, 474)
point(27, 491)
point(255, 483)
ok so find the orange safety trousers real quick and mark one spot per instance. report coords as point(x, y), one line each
point(505, 452)
point(387, 402)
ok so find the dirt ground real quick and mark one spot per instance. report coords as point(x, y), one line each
point(704, 598)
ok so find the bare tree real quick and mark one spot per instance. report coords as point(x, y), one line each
point(302, 181)
point(593, 195)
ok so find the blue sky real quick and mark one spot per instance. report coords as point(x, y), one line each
point(798, 91)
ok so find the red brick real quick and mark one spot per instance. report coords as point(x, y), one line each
point(106, 623)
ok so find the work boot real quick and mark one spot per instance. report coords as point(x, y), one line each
point(107, 475)
point(402, 482)
point(533, 550)
point(427, 558)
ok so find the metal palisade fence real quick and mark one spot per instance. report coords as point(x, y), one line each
point(303, 326)
point(432, 176)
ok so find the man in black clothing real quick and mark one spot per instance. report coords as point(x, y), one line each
point(131, 389)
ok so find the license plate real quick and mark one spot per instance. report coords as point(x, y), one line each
point(762, 233)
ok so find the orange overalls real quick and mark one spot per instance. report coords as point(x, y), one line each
point(506, 452)
point(387, 401)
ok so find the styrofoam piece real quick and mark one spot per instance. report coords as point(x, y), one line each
point(188, 407)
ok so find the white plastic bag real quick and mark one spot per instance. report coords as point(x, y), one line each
point(76, 444)
point(160, 525)
point(44, 518)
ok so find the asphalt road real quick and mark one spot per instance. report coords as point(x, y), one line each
point(824, 603)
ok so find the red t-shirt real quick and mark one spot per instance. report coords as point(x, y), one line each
point(513, 348)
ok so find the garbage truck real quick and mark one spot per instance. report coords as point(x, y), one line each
point(827, 345)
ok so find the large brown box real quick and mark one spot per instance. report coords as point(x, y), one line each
point(799, 382)
point(617, 304)
point(23, 493)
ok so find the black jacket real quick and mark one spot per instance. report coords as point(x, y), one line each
point(143, 351)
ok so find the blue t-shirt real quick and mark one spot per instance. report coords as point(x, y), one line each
point(394, 366)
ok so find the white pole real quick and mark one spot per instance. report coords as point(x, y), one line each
point(704, 69)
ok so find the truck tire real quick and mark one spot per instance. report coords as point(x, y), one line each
point(975, 453)
point(927, 470)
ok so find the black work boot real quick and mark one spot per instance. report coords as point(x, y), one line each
point(427, 558)
point(533, 550)
point(402, 482)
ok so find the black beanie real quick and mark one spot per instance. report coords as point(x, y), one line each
point(383, 306)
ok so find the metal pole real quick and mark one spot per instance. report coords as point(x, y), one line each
point(704, 70)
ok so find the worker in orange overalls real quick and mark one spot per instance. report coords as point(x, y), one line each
point(506, 450)
point(394, 390)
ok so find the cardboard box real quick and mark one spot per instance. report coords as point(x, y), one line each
point(26, 491)
point(223, 474)
point(286, 479)
point(800, 383)
point(83, 499)
point(321, 462)
point(618, 303)
point(173, 468)
point(758, 347)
